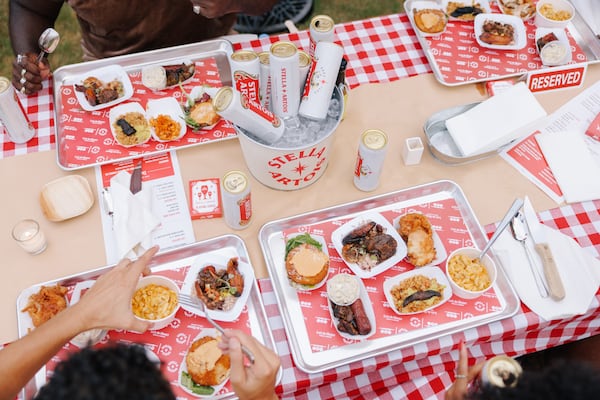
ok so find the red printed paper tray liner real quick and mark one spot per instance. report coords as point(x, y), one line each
point(169, 344)
point(86, 138)
point(447, 221)
point(457, 57)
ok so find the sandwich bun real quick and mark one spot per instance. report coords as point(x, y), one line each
point(307, 265)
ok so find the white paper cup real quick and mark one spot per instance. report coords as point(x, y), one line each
point(558, 5)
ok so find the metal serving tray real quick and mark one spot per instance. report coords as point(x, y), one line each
point(224, 246)
point(291, 307)
point(475, 69)
point(219, 50)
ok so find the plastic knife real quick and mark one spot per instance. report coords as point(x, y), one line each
point(135, 185)
point(555, 285)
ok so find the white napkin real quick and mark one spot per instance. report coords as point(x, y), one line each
point(578, 269)
point(133, 217)
point(495, 121)
point(572, 164)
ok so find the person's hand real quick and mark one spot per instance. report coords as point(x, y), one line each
point(107, 304)
point(28, 75)
point(464, 375)
point(250, 381)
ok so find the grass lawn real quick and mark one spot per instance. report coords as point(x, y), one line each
point(69, 52)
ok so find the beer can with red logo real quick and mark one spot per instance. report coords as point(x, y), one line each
point(305, 62)
point(12, 114)
point(236, 199)
point(245, 71)
point(265, 80)
point(369, 161)
point(250, 115)
point(322, 29)
point(321, 81)
point(285, 79)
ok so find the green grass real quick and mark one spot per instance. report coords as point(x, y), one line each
point(69, 51)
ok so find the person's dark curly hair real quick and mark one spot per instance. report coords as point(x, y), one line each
point(560, 380)
point(117, 371)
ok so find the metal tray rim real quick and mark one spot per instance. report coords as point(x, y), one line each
point(477, 232)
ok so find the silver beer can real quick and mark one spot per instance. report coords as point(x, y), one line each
point(236, 198)
point(321, 29)
point(245, 71)
point(321, 81)
point(12, 114)
point(285, 79)
point(247, 114)
point(305, 62)
point(369, 161)
point(265, 80)
point(500, 371)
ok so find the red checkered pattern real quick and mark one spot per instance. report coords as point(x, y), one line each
point(427, 369)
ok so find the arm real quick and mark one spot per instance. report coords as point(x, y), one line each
point(255, 381)
point(27, 20)
point(107, 304)
point(217, 8)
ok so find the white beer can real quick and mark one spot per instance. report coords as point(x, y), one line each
point(322, 29)
point(245, 71)
point(236, 199)
point(247, 114)
point(265, 80)
point(305, 61)
point(12, 114)
point(285, 79)
point(321, 81)
point(369, 161)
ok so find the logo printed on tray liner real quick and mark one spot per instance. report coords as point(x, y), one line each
point(295, 168)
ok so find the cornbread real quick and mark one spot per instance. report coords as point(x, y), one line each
point(153, 302)
point(468, 273)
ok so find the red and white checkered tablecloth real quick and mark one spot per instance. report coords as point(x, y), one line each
point(427, 369)
point(380, 49)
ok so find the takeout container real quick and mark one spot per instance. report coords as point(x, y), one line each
point(562, 42)
point(270, 165)
point(487, 262)
point(157, 324)
point(542, 21)
point(525, 11)
point(520, 34)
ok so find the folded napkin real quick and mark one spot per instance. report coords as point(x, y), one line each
point(133, 217)
point(578, 269)
point(572, 164)
point(495, 121)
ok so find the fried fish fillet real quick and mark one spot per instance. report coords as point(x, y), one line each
point(415, 229)
point(46, 303)
point(206, 363)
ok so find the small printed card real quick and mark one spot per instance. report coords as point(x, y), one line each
point(205, 198)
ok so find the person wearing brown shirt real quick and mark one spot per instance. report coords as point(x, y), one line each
point(114, 27)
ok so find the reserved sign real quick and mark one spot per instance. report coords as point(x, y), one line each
point(562, 77)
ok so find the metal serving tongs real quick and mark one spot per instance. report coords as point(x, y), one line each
point(514, 210)
point(194, 302)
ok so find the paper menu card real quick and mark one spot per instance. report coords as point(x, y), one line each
point(161, 175)
point(495, 121)
point(572, 164)
point(575, 115)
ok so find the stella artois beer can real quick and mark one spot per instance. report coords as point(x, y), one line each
point(321, 81)
point(369, 161)
point(285, 79)
point(12, 114)
point(322, 29)
point(252, 116)
point(236, 199)
point(245, 70)
point(500, 371)
point(305, 62)
point(265, 80)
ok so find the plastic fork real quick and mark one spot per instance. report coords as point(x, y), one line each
point(194, 302)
